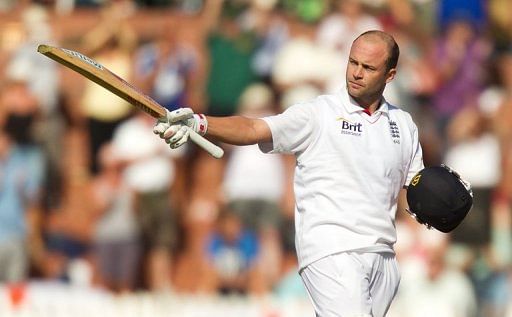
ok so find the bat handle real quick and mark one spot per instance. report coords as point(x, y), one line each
point(208, 146)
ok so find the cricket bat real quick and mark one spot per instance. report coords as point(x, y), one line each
point(96, 72)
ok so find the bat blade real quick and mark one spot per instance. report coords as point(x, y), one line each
point(99, 74)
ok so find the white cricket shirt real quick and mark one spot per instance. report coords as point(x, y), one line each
point(350, 169)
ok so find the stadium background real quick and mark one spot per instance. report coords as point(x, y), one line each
point(115, 224)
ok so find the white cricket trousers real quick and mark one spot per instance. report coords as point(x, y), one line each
point(351, 284)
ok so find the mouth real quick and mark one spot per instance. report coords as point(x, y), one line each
point(355, 85)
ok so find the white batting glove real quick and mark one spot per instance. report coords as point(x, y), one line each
point(175, 128)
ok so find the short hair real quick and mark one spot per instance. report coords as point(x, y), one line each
point(393, 49)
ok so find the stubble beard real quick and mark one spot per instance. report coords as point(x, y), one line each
point(357, 94)
point(363, 96)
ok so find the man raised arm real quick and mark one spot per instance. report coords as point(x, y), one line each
point(235, 130)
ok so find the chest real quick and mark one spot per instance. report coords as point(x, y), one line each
point(380, 142)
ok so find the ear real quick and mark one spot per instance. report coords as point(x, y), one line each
point(390, 75)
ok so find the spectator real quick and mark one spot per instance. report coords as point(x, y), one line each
point(42, 77)
point(110, 43)
point(254, 187)
point(430, 286)
point(272, 32)
point(316, 64)
point(500, 23)
point(459, 58)
point(116, 234)
point(230, 50)
point(232, 251)
point(22, 171)
point(155, 201)
point(165, 68)
point(473, 143)
point(306, 11)
point(471, 10)
point(18, 211)
point(502, 124)
point(492, 276)
point(338, 29)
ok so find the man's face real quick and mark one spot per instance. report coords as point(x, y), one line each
point(366, 70)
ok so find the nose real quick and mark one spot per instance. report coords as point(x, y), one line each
point(357, 72)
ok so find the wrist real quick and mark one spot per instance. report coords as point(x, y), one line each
point(201, 124)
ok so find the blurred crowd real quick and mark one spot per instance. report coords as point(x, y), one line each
point(89, 196)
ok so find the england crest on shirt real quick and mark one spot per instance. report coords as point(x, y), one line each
point(395, 133)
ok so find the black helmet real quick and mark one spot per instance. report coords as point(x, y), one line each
point(438, 197)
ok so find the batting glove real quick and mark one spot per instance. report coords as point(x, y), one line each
point(175, 127)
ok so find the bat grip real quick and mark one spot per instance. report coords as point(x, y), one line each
point(206, 145)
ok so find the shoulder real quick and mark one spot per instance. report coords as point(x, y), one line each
point(311, 107)
point(322, 102)
point(402, 115)
point(326, 98)
point(404, 121)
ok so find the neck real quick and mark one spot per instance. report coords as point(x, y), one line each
point(369, 104)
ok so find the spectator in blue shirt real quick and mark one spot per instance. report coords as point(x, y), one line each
point(165, 67)
point(21, 176)
point(233, 250)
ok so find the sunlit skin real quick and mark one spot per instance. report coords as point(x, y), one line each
point(367, 74)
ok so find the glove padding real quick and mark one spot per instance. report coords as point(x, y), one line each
point(175, 127)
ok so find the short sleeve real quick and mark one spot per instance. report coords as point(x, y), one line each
point(417, 157)
point(292, 131)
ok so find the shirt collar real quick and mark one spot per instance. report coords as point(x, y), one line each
point(352, 106)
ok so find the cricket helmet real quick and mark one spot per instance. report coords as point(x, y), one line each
point(438, 197)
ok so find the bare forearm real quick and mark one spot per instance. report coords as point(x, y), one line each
point(238, 130)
